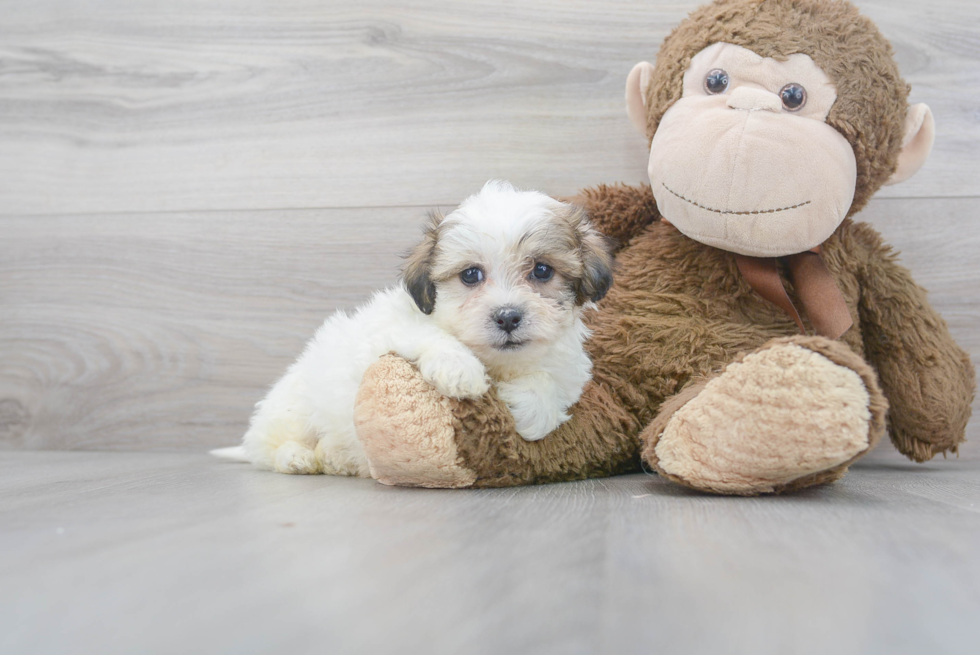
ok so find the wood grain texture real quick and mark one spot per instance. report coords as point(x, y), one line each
point(168, 328)
point(160, 331)
point(165, 553)
point(121, 106)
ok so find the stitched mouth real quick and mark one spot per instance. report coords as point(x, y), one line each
point(729, 211)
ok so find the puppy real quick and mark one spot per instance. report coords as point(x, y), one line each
point(493, 294)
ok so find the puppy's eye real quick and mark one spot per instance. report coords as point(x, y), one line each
point(471, 276)
point(542, 272)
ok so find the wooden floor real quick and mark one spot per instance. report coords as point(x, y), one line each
point(177, 553)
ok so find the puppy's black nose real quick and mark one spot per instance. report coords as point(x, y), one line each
point(507, 319)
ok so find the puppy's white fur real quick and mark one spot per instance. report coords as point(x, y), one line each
point(451, 330)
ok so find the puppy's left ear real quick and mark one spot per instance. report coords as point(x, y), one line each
point(417, 272)
point(596, 252)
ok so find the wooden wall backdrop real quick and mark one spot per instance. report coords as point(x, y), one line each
point(188, 187)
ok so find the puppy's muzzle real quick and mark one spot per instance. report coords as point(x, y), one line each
point(507, 318)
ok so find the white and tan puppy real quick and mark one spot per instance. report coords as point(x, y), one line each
point(493, 294)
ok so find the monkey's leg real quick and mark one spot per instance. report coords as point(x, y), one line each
point(794, 413)
point(414, 436)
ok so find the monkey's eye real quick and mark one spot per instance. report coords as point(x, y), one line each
point(542, 272)
point(793, 96)
point(471, 276)
point(716, 81)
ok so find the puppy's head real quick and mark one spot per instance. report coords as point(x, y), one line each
point(508, 272)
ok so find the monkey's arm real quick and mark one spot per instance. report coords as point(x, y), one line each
point(928, 379)
point(619, 211)
point(415, 437)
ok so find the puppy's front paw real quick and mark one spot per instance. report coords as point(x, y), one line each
point(534, 407)
point(457, 374)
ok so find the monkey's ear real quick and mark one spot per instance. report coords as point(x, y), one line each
point(636, 95)
point(417, 272)
point(920, 132)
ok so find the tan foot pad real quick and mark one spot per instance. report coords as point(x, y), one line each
point(407, 429)
point(780, 414)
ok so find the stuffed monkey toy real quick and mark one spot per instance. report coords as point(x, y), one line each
point(757, 339)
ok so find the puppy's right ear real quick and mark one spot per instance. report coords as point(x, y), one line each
point(417, 272)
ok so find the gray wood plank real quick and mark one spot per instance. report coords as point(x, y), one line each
point(167, 328)
point(115, 106)
point(162, 553)
point(160, 331)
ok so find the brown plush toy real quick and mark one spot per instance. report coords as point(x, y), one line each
point(757, 339)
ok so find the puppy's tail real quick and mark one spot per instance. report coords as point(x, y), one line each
point(235, 454)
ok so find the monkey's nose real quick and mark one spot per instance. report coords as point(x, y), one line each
point(749, 99)
point(507, 319)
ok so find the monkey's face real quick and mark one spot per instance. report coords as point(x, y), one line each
point(744, 161)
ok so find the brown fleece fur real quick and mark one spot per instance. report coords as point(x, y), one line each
point(619, 211)
point(680, 312)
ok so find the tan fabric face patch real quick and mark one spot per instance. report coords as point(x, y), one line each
point(778, 415)
point(746, 69)
point(733, 168)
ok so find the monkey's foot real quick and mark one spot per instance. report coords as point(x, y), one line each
point(795, 413)
point(407, 428)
